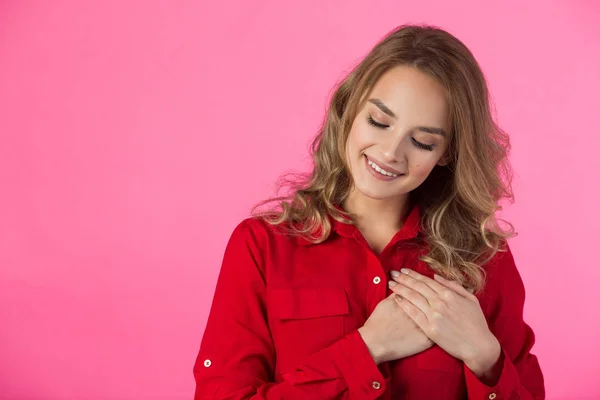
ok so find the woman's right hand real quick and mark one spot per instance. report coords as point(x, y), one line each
point(390, 334)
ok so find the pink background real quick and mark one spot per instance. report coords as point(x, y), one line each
point(137, 134)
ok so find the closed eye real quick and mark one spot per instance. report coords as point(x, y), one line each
point(428, 147)
point(376, 124)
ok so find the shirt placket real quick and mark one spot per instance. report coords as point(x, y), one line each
point(376, 275)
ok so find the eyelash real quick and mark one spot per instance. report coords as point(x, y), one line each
point(428, 147)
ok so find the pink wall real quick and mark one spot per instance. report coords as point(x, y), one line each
point(136, 134)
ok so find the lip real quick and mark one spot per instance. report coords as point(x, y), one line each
point(383, 166)
point(379, 176)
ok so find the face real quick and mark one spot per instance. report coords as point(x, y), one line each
point(399, 135)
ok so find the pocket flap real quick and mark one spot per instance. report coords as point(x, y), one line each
point(307, 302)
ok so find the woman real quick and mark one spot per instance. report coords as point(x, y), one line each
point(385, 274)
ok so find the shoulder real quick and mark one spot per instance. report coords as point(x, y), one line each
point(503, 283)
point(502, 269)
point(255, 244)
point(259, 233)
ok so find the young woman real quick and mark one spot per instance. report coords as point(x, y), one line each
point(385, 274)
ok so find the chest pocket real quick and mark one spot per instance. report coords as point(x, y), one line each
point(304, 320)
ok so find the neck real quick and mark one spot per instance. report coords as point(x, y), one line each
point(385, 214)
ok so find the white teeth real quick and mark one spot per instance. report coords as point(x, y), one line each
point(381, 171)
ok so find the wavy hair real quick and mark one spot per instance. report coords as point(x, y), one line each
point(459, 230)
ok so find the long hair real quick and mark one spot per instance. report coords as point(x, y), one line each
point(458, 201)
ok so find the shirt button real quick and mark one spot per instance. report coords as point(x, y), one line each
point(492, 396)
point(376, 280)
point(376, 385)
point(207, 363)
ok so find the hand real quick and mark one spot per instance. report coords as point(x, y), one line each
point(390, 334)
point(450, 316)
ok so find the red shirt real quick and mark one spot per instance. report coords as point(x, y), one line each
point(284, 319)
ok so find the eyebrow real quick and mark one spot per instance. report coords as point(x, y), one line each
point(385, 109)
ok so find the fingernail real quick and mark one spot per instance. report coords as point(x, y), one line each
point(392, 283)
point(405, 271)
point(395, 274)
point(438, 277)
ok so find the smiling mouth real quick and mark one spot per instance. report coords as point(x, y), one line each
point(380, 170)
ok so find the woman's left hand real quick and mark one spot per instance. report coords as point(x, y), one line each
point(450, 316)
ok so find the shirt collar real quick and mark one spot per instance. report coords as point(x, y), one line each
point(409, 230)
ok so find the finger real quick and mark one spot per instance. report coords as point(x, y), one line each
point(417, 282)
point(414, 313)
point(411, 295)
point(457, 287)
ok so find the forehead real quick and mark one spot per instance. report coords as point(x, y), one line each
point(411, 94)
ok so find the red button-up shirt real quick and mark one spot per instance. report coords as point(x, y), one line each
point(284, 319)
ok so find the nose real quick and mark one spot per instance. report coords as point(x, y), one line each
point(393, 149)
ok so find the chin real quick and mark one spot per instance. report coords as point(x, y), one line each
point(378, 194)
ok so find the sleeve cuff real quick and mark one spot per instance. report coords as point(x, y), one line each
point(509, 379)
point(365, 379)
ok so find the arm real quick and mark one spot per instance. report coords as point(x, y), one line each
point(237, 357)
point(516, 373)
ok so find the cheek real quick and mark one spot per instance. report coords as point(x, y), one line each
point(351, 149)
point(421, 166)
point(361, 136)
point(354, 145)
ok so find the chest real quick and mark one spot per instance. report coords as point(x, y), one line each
point(315, 297)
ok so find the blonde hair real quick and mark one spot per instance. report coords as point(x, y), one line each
point(458, 201)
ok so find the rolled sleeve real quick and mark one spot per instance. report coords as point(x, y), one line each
point(365, 379)
point(507, 383)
